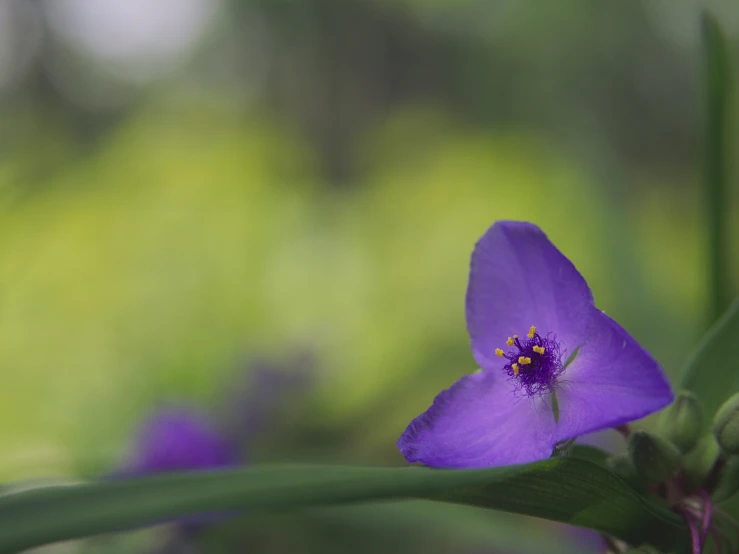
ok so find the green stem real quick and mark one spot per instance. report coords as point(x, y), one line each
point(716, 98)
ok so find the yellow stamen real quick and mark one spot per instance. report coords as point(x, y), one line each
point(515, 369)
point(539, 349)
point(515, 336)
point(499, 352)
point(509, 342)
point(524, 360)
point(531, 332)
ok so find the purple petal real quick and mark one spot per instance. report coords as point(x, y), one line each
point(518, 278)
point(479, 422)
point(612, 381)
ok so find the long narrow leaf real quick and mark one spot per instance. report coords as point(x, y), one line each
point(562, 489)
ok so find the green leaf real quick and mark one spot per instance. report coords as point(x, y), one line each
point(729, 484)
point(717, 89)
point(712, 373)
point(590, 453)
point(464, 525)
point(408, 525)
point(569, 490)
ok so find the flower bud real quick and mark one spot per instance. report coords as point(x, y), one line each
point(622, 466)
point(682, 422)
point(728, 484)
point(726, 425)
point(696, 465)
point(654, 457)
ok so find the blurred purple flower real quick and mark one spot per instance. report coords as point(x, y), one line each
point(179, 439)
point(183, 438)
point(504, 414)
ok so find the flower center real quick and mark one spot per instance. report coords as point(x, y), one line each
point(534, 362)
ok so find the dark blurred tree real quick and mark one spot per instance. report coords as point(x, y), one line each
point(611, 82)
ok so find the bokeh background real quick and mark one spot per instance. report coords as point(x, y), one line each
point(193, 189)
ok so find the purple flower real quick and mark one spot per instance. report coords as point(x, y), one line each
point(554, 367)
point(182, 438)
point(179, 439)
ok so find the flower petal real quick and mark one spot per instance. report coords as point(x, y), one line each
point(480, 422)
point(612, 381)
point(518, 278)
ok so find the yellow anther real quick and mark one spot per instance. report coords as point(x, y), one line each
point(515, 336)
point(509, 342)
point(524, 360)
point(532, 331)
point(515, 369)
point(539, 349)
point(499, 352)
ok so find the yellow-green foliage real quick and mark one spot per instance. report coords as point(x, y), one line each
point(148, 268)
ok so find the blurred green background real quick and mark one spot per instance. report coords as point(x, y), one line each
point(186, 186)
